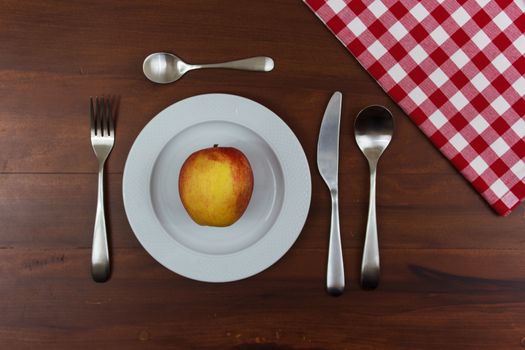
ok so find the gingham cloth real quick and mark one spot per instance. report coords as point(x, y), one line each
point(457, 69)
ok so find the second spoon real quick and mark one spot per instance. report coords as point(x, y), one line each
point(164, 67)
point(373, 128)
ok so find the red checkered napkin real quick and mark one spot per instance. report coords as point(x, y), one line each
point(457, 69)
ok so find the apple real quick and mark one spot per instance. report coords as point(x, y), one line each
point(215, 185)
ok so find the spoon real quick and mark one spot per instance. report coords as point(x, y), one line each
point(373, 128)
point(164, 67)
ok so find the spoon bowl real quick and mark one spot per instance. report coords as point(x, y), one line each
point(165, 67)
point(373, 128)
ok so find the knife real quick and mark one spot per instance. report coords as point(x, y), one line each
point(328, 162)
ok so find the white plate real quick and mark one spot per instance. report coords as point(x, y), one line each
point(278, 207)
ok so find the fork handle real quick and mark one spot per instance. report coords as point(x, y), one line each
point(100, 253)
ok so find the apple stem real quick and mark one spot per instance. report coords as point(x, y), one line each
point(216, 145)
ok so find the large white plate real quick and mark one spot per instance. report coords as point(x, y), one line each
point(278, 207)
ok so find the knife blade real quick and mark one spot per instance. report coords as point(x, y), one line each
point(328, 165)
point(328, 144)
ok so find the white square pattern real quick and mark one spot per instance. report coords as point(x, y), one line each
point(377, 8)
point(336, 5)
point(356, 26)
point(459, 100)
point(481, 39)
point(460, 16)
point(459, 58)
point(397, 73)
point(499, 188)
point(499, 147)
point(438, 77)
point(458, 142)
point(500, 105)
point(480, 81)
point(417, 95)
point(438, 119)
point(502, 20)
point(501, 63)
point(519, 86)
point(479, 124)
point(419, 12)
point(479, 165)
point(398, 31)
point(418, 54)
point(377, 49)
point(519, 128)
point(439, 35)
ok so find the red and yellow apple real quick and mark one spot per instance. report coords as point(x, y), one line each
point(215, 185)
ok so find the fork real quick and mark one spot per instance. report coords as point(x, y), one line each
point(102, 140)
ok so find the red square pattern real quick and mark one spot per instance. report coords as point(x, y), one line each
point(470, 68)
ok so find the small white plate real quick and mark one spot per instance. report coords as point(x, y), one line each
point(278, 207)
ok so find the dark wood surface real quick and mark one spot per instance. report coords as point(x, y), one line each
point(453, 273)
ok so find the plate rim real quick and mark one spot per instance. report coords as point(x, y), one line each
point(159, 253)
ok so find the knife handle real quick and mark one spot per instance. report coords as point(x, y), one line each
point(335, 275)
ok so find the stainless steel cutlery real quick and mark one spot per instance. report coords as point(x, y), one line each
point(328, 164)
point(164, 67)
point(102, 140)
point(373, 129)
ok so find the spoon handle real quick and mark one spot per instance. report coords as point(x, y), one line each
point(335, 275)
point(370, 263)
point(261, 63)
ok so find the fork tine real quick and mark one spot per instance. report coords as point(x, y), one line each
point(106, 115)
point(98, 116)
point(111, 129)
point(103, 119)
point(92, 116)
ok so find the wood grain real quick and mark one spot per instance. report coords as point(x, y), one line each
point(453, 273)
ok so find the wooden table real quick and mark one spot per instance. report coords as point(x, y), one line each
point(453, 273)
